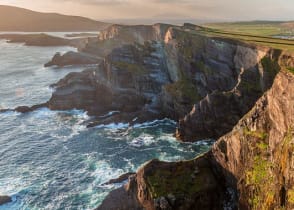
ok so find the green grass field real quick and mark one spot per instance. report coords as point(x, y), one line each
point(260, 28)
point(258, 32)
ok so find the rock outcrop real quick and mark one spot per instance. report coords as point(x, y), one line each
point(116, 36)
point(5, 199)
point(152, 72)
point(249, 168)
point(72, 58)
point(128, 80)
point(258, 153)
point(43, 40)
point(218, 112)
point(166, 71)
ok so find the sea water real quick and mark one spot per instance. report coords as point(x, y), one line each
point(49, 159)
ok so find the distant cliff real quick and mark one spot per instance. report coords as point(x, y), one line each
point(19, 19)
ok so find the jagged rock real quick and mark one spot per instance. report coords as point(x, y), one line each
point(127, 81)
point(249, 168)
point(72, 58)
point(153, 72)
point(120, 179)
point(258, 153)
point(123, 198)
point(5, 199)
point(160, 185)
point(218, 112)
point(25, 109)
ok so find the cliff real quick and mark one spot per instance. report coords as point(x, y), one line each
point(219, 87)
point(258, 153)
point(166, 71)
point(249, 168)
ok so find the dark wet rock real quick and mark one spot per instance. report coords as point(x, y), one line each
point(72, 58)
point(120, 179)
point(25, 109)
point(123, 198)
point(161, 185)
point(5, 199)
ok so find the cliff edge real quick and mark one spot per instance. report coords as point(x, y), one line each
point(249, 168)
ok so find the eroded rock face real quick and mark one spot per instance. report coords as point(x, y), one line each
point(249, 168)
point(168, 71)
point(128, 81)
point(116, 36)
point(218, 112)
point(72, 58)
point(183, 185)
point(259, 151)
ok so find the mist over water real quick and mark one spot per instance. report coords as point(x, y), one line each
point(49, 159)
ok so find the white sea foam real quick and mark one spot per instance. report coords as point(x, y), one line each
point(114, 126)
point(110, 114)
point(142, 140)
point(155, 123)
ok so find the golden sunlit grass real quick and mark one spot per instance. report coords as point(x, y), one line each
point(276, 43)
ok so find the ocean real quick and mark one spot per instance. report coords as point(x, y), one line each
point(49, 159)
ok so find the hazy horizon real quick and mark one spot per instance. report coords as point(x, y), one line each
point(132, 11)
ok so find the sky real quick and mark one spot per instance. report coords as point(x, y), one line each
point(216, 10)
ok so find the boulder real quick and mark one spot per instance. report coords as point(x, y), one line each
point(5, 199)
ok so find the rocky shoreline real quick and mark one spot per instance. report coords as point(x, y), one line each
point(249, 168)
point(238, 93)
point(4, 199)
point(163, 71)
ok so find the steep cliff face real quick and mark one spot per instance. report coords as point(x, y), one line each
point(128, 80)
point(202, 66)
point(218, 112)
point(118, 35)
point(167, 70)
point(161, 185)
point(249, 168)
point(259, 151)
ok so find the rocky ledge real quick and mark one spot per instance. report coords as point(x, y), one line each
point(4, 199)
point(249, 168)
point(72, 58)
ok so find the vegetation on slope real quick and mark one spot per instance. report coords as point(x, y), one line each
point(260, 28)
